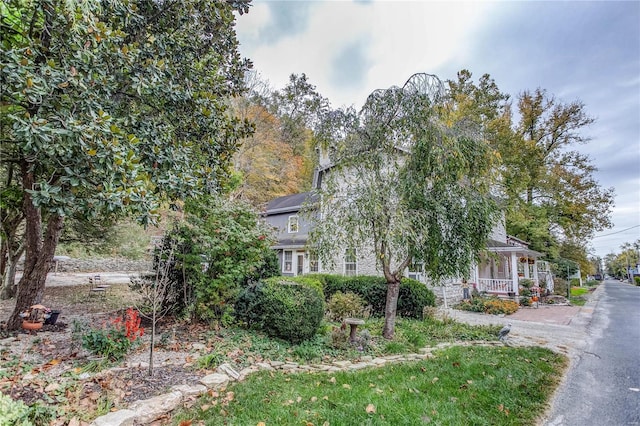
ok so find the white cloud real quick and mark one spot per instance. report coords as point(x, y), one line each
point(399, 39)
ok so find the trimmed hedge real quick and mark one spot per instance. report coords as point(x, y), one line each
point(281, 308)
point(413, 297)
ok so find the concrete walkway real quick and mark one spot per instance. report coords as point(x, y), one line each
point(561, 328)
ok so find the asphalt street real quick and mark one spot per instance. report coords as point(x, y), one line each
point(603, 385)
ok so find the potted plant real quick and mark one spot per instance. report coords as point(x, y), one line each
point(34, 317)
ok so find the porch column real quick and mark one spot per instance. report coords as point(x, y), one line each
point(476, 275)
point(535, 273)
point(527, 274)
point(514, 272)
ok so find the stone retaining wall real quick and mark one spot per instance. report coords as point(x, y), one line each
point(103, 265)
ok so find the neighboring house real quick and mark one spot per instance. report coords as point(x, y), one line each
point(508, 259)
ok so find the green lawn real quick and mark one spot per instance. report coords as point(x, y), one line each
point(577, 296)
point(460, 385)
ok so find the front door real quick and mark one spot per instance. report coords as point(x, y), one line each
point(300, 268)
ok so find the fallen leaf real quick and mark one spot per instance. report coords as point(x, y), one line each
point(205, 407)
point(186, 423)
point(332, 380)
point(314, 398)
point(261, 424)
point(370, 408)
point(346, 386)
point(74, 422)
point(52, 387)
point(52, 363)
point(435, 379)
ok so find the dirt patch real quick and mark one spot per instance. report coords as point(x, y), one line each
point(50, 365)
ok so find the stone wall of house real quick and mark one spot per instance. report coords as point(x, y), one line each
point(453, 291)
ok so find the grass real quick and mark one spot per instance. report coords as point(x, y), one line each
point(577, 296)
point(242, 347)
point(460, 385)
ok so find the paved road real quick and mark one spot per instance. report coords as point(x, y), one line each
point(603, 385)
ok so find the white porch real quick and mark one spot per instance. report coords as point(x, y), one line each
point(506, 265)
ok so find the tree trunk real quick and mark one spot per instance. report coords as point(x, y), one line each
point(391, 307)
point(39, 251)
point(8, 289)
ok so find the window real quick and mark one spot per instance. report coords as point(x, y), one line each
point(314, 264)
point(293, 224)
point(416, 270)
point(350, 262)
point(287, 261)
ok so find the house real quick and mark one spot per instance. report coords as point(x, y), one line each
point(506, 262)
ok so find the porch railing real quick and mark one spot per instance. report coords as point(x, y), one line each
point(493, 285)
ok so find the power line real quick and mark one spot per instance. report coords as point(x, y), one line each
point(617, 232)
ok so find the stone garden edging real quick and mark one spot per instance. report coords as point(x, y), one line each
point(146, 411)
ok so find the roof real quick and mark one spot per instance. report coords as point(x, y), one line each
point(297, 242)
point(289, 203)
point(500, 247)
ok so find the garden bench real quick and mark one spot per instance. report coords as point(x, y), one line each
point(96, 286)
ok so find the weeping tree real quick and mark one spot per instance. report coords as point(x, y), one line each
point(406, 183)
point(110, 108)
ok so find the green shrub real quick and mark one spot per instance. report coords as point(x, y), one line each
point(636, 280)
point(575, 282)
point(281, 308)
point(13, 413)
point(525, 301)
point(526, 283)
point(116, 338)
point(304, 280)
point(413, 296)
point(344, 305)
point(560, 286)
point(220, 248)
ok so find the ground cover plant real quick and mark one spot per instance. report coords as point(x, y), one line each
point(460, 385)
point(489, 305)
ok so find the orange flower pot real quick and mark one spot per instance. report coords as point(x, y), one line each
point(31, 325)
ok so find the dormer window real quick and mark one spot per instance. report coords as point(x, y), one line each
point(293, 226)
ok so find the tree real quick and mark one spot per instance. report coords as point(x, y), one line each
point(219, 247)
point(156, 290)
point(110, 108)
point(408, 184)
point(553, 177)
point(551, 194)
point(279, 158)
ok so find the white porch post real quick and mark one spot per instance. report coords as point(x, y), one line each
point(476, 275)
point(514, 272)
point(535, 273)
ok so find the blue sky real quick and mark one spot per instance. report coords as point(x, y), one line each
point(587, 51)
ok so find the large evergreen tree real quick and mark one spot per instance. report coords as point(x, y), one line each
point(110, 107)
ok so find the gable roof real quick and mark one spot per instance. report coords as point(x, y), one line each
point(289, 203)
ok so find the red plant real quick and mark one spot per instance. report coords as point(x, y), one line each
point(131, 321)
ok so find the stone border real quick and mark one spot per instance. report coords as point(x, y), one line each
point(146, 411)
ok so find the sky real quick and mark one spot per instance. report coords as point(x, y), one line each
point(586, 51)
